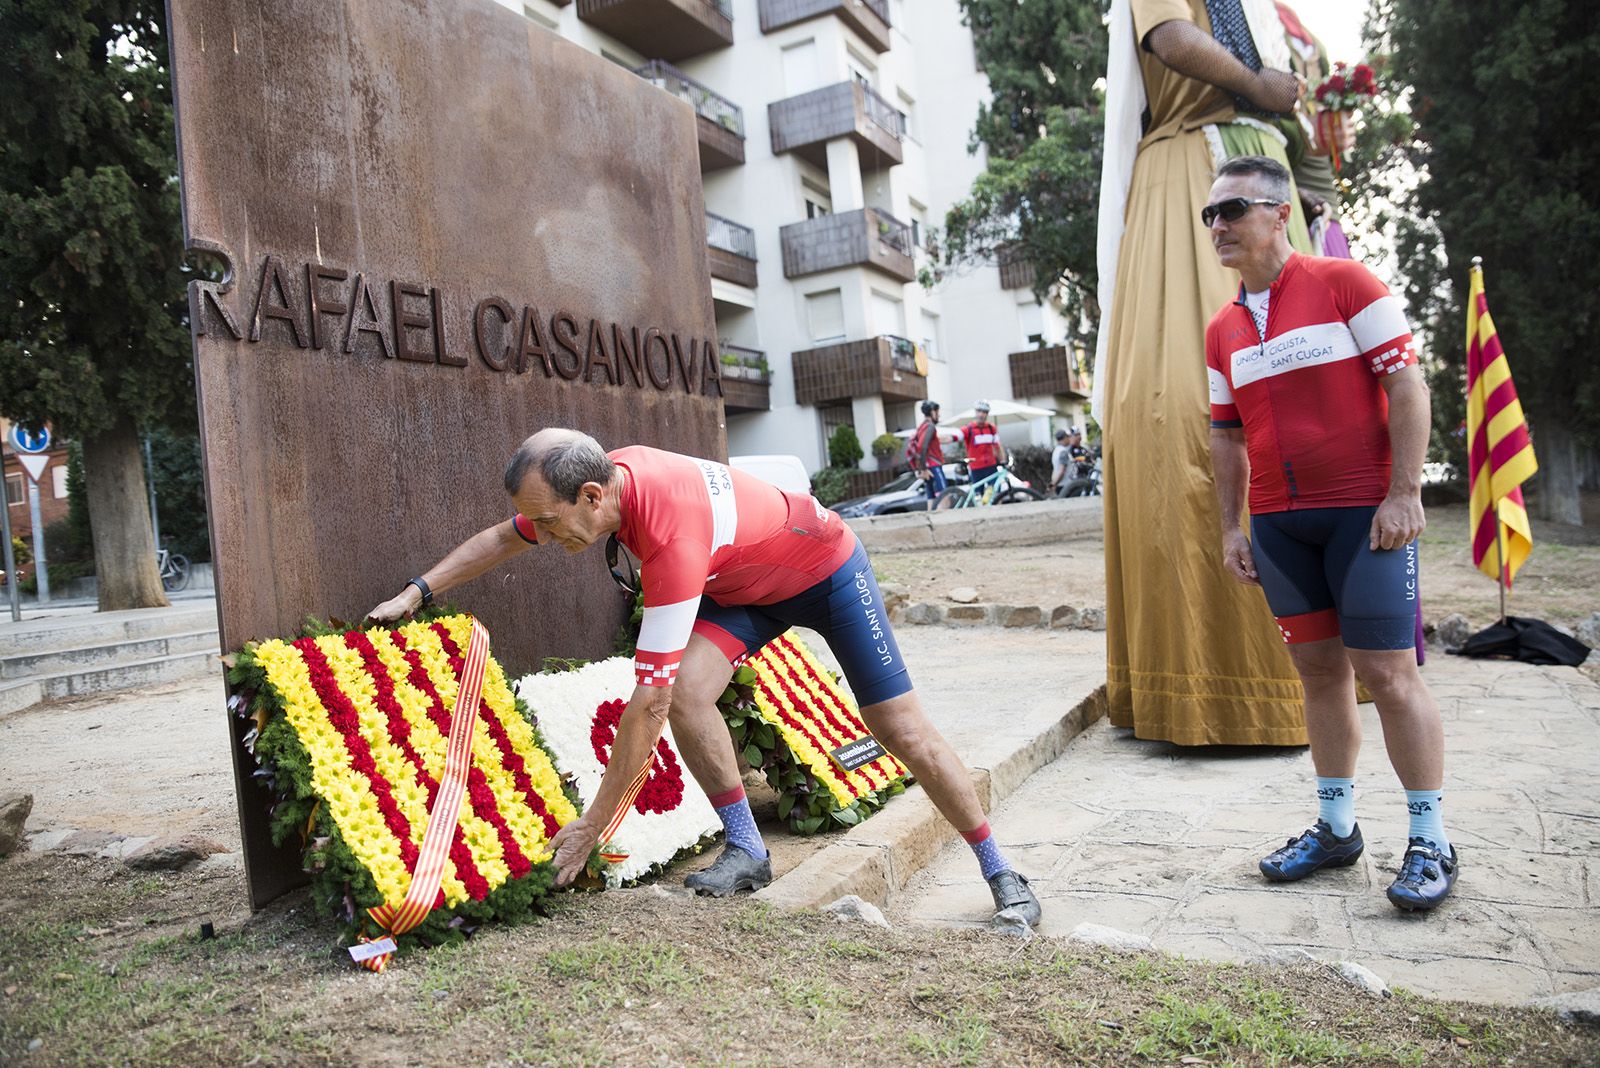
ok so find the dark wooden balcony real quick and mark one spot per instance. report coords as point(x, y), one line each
point(746, 382)
point(1015, 272)
point(884, 366)
point(1047, 372)
point(869, 18)
point(731, 249)
point(864, 238)
point(720, 121)
point(805, 124)
point(663, 29)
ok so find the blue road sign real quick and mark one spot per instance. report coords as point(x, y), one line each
point(25, 440)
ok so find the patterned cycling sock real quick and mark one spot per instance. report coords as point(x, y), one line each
point(987, 850)
point(1336, 803)
point(733, 809)
point(1427, 817)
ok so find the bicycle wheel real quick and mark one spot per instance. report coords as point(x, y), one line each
point(176, 576)
point(954, 497)
point(1017, 494)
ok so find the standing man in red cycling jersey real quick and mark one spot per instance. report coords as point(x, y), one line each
point(728, 562)
point(1317, 400)
point(925, 453)
point(985, 453)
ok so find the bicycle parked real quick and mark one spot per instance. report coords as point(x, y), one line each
point(1002, 487)
point(174, 569)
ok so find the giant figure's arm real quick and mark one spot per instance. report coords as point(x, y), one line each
point(1194, 53)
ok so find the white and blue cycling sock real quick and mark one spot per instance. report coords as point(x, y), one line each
point(1427, 818)
point(1336, 803)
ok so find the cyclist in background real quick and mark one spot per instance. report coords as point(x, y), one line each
point(925, 452)
point(985, 453)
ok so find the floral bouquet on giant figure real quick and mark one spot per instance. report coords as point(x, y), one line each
point(1344, 91)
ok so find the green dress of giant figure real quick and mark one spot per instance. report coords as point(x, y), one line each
point(1193, 657)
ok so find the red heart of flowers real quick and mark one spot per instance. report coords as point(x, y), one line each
point(663, 788)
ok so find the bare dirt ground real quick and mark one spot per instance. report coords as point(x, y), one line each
point(1560, 583)
point(102, 965)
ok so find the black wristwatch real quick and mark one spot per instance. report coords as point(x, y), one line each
point(422, 588)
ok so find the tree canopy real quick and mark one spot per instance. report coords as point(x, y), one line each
point(93, 328)
point(1505, 164)
point(1037, 200)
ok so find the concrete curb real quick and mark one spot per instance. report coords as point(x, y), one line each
point(875, 859)
point(1033, 523)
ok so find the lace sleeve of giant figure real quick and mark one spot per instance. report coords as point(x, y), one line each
point(1189, 50)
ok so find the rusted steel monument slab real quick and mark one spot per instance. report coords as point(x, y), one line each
point(443, 228)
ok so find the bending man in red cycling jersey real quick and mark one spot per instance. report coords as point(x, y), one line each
point(1316, 396)
point(728, 562)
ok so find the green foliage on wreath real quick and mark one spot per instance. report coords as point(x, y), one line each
point(807, 805)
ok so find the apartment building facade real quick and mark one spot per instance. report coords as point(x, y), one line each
point(833, 135)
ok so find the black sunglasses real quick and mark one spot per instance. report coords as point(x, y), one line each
point(1231, 210)
point(629, 581)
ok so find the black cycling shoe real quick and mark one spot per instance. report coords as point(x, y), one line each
point(733, 871)
point(1011, 891)
point(1315, 848)
point(1426, 877)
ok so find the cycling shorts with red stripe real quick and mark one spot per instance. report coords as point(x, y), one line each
point(845, 608)
point(1323, 580)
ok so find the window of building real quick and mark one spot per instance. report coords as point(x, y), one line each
point(1031, 316)
point(919, 225)
point(58, 475)
point(825, 315)
point(861, 68)
point(908, 112)
point(930, 336)
point(16, 492)
point(800, 71)
point(888, 314)
point(818, 200)
point(832, 417)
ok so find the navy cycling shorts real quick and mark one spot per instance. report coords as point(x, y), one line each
point(845, 608)
point(1323, 581)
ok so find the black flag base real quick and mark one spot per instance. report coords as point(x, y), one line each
point(1532, 641)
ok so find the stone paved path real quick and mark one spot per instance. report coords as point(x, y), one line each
point(1160, 840)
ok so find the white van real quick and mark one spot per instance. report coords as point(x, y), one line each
point(785, 472)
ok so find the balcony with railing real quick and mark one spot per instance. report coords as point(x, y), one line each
point(731, 249)
point(1047, 372)
point(720, 121)
point(864, 238)
point(663, 29)
point(868, 18)
point(1015, 271)
point(885, 366)
point(746, 380)
point(805, 124)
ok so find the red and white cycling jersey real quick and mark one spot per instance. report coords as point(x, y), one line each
point(983, 444)
point(700, 527)
point(1315, 416)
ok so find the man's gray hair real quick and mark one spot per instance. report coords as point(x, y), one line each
point(1275, 182)
point(566, 459)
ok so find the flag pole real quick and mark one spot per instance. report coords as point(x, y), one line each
point(1500, 559)
point(1499, 531)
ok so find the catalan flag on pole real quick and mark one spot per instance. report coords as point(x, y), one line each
point(1499, 453)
